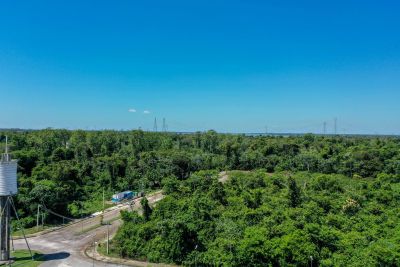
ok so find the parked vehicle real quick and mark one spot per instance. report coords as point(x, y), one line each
point(126, 195)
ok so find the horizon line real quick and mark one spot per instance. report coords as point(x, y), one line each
point(250, 133)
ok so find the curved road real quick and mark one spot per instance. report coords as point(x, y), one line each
point(64, 247)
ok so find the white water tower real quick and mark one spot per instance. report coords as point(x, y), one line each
point(8, 188)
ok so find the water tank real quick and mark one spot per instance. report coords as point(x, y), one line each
point(8, 178)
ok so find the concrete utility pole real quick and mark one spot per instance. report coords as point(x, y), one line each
point(155, 125)
point(12, 240)
point(164, 125)
point(94, 248)
point(335, 125)
point(103, 201)
point(37, 217)
point(80, 209)
point(102, 213)
point(108, 239)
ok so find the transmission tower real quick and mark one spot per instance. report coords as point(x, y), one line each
point(335, 125)
point(324, 128)
point(155, 125)
point(164, 125)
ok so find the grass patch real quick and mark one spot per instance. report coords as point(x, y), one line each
point(92, 206)
point(112, 220)
point(85, 230)
point(102, 250)
point(29, 231)
point(23, 258)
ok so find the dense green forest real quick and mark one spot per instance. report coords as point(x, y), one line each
point(68, 170)
point(261, 219)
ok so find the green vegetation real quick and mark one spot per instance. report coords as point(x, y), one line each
point(100, 224)
point(257, 219)
point(23, 258)
point(334, 195)
point(90, 228)
point(90, 206)
point(102, 249)
point(29, 231)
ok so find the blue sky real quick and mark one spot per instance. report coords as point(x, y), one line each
point(232, 66)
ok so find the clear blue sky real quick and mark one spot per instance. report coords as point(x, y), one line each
point(233, 66)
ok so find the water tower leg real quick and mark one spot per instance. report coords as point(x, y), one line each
point(4, 229)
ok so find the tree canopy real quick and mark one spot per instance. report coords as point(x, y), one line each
point(255, 220)
point(332, 199)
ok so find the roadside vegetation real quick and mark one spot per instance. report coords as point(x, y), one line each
point(17, 233)
point(23, 258)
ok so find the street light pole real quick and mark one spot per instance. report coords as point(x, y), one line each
point(37, 218)
point(102, 214)
point(103, 201)
point(108, 239)
point(42, 220)
point(94, 247)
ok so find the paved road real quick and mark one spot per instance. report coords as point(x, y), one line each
point(64, 247)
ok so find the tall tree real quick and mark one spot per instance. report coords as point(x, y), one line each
point(294, 192)
point(146, 208)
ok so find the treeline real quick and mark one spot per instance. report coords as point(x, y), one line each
point(67, 170)
point(262, 219)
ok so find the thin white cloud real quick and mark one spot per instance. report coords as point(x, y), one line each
point(131, 110)
point(146, 112)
